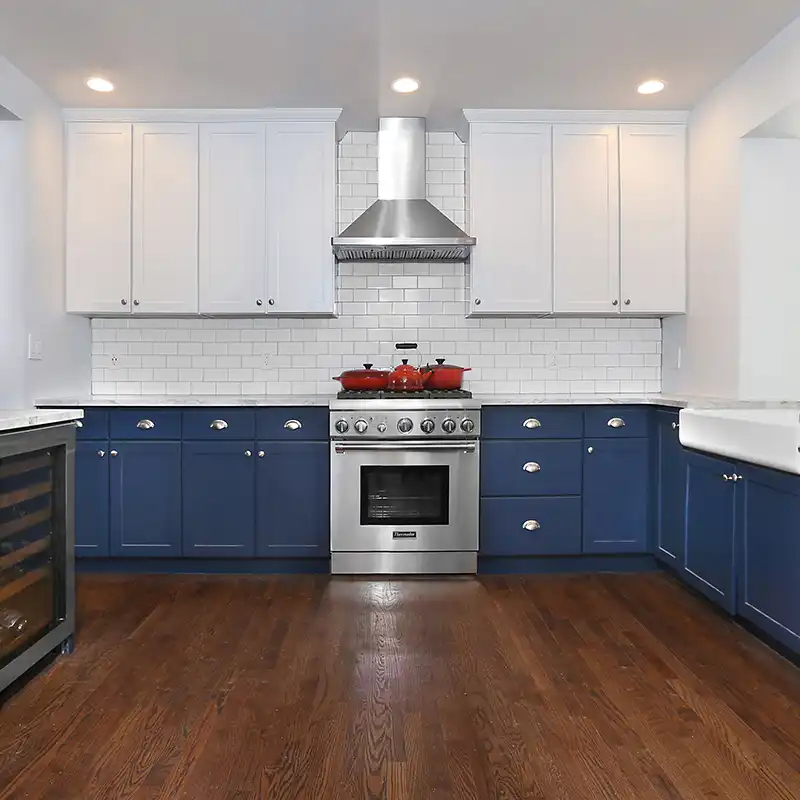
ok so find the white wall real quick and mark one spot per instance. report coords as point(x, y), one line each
point(65, 368)
point(709, 336)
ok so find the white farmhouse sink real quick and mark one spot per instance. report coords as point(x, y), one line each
point(767, 436)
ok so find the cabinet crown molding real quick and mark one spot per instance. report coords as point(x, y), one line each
point(201, 114)
point(566, 116)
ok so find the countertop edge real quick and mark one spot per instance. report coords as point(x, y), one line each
point(24, 418)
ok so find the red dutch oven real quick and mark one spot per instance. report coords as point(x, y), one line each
point(444, 376)
point(363, 380)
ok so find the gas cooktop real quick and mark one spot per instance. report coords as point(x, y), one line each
point(426, 394)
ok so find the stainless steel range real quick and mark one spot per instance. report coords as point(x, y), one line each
point(404, 485)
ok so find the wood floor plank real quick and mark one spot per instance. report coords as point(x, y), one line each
point(623, 687)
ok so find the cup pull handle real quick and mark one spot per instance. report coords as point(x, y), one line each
point(616, 422)
point(145, 424)
point(531, 422)
point(531, 525)
point(293, 424)
point(219, 425)
point(531, 466)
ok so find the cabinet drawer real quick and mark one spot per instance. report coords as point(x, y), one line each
point(532, 422)
point(94, 424)
point(602, 422)
point(146, 423)
point(543, 526)
point(510, 469)
point(277, 423)
point(219, 424)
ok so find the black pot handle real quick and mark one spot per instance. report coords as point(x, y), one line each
point(367, 366)
point(406, 346)
point(440, 361)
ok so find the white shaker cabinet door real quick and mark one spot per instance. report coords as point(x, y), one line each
point(98, 252)
point(653, 219)
point(233, 218)
point(586, 219)
point(165, 218)
point(511, 218)
point(301, 198)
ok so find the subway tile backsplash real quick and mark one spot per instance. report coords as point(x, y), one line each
point(379, 305)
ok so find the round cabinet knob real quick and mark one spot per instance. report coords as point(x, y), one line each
point(123, 302)
point(467, 425)
point(628, 302)
point(101, 453)
point(405, 425)
point(136, 302)
point(590, 450)
point(427, 425)
point(261, 454)
point(114, 453)
point(361, 425)
point(448, 425)
point(381, 427)
point(259, 302)
point(341, 426)
point(271, 301)
point(477, 301)
point(615, 302)
point(675, 426)
point(248, 453)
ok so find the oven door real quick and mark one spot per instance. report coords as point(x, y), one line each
point(404, 496)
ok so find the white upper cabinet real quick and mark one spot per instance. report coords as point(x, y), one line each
point(165, 218)
point(653, 219)
point(511, 218)
point(232, 218)
point(301, 197)
point(586, 261)
point(98, 254)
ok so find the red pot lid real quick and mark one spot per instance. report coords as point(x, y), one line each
point(441, 365)
point(367, 372)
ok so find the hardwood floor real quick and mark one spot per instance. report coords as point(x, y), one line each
point(240, 688)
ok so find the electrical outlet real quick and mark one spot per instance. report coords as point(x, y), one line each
point(35, 348)
point(266, 360)
point(114, 360)
point(554, 360)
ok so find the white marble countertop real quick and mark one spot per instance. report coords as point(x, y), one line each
point(212, 401)
point(187, 401)
point(14, 419)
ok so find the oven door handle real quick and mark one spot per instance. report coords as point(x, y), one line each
point(464, 447)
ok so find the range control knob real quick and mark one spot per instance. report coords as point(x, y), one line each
point(361, 425)
point(341, 426)
point(381, 427)
point(405, 425)
point(467, 425)
point(427, 425)
point(448, 425)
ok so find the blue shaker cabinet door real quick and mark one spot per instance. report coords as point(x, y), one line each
point(91, 499)
point(219, 499)
point(145, 498)
point(292, 499)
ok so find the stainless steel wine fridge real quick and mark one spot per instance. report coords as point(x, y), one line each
point(37, 547)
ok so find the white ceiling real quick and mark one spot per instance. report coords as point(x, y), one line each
point(329, 53)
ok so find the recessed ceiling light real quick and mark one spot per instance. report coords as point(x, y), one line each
point(652, 86)
point(100, 85)
point(405, 85)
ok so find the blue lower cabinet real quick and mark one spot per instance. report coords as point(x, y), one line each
point(524, 468)
point(768, 550)
point(615, 491)
point(671, 497)
point(527, 526)
point(92, 499)
point(219, 499)
point(710, 518)
point(292, 499)
point(145, 498)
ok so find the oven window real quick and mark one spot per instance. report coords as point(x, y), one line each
point(405, 495)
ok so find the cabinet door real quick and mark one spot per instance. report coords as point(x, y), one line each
point(670, 534)
point(165, 199)
point(710, 516)
point(98, 218)
point(301, 200)
point(233, 235)
point(615, 489)
point(91, 499)
point(586, 219)
point(219, 499)
point(653, 219)
point(768, 549)
point(292, 491)
point(511, 216)
point(145, 498)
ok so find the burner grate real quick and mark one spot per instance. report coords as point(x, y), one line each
point(425, 394)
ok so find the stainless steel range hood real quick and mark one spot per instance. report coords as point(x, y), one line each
point(401, 225)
